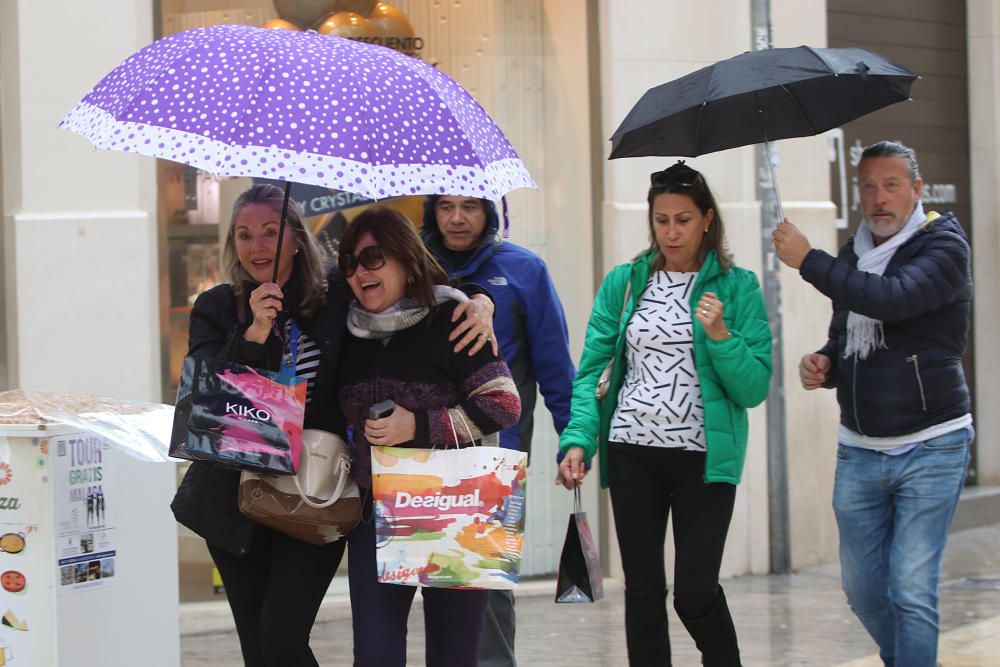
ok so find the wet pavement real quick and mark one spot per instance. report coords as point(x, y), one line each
point(782, 621)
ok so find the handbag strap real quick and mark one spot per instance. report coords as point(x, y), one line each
point(289, 363)
point(621, 314)
point(628, 293)
point(287, 368)
point(343, 477)
point(454, 433)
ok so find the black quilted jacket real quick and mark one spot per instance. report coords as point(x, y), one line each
point(206, 501)
point(924, 300)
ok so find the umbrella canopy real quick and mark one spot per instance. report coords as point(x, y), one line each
point(236, 100)
point(760, 96)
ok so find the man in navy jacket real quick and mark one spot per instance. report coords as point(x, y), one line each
point(463, 235)
point(902, 293)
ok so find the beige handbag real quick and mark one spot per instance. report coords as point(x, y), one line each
point(319, 504)
point(604, 381)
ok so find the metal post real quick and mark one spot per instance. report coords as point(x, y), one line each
point(771, 215)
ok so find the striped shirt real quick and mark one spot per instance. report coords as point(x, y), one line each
point(307, 361)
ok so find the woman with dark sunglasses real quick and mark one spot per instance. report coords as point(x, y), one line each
point(685, 333)
point(398, 350)
point(274, 582)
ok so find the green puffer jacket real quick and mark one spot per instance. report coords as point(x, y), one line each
point(734, 373)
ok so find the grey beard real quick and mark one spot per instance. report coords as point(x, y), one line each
point(885, 230)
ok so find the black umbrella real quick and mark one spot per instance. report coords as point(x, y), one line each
point(760, 96)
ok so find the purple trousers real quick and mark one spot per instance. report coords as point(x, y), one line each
point(453, 618)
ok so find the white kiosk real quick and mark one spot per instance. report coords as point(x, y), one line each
point(88, 551)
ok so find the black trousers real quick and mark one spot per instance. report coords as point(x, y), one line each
point(647, 484)
point(274, 592)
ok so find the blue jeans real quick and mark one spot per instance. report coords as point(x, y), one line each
point(894, 513)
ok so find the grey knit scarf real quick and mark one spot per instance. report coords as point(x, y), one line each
point(401, 315)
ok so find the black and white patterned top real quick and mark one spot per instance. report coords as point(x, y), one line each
point(660, 401)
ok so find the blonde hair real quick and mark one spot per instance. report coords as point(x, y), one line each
point(309, 259)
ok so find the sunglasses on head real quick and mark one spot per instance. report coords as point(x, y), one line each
point(371, 257)
point(678, 174)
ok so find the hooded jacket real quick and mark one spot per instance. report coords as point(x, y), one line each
point(734, 374)
point(924, 299)
point(529, 320)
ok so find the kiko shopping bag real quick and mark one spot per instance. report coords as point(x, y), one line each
point(240, 416)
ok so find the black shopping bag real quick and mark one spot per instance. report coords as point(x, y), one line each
point(239, 416)
point(580, 577)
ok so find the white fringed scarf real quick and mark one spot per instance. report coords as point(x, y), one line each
point(864, 334)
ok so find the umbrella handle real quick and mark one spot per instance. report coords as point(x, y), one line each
point(770, 161)
point(281, 230)
point(774, 180)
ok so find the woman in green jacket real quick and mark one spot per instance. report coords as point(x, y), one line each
point(686, 336)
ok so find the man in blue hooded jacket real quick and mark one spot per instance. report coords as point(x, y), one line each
point(463, 234)
point(902, 295)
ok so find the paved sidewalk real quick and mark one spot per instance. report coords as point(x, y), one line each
point(783, 621)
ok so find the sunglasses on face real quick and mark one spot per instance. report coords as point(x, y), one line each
point(370, 257)
point(678, 174)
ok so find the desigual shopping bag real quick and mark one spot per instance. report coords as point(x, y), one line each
point(239, 416)
point(449, 518)
point(580, 577)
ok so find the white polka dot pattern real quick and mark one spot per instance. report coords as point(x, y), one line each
point(242, 101)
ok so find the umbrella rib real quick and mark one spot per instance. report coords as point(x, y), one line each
point(815, 53)
point(367, 125)
point(458, 121)
point(253, 93)
point(697, 128)
point(798, 106)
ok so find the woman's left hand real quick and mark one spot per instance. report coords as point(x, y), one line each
point(477, 328)
point(397, 428)
point(709, 313)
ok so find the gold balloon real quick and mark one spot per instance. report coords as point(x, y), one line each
point(390, 21)
point(305, 13)
point(363, 7)
point(347, 24)
point(280, 24)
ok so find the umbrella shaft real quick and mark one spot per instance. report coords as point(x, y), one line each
point(281, 230)
point(774, 181)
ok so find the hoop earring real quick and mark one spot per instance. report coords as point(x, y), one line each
point(410, 280)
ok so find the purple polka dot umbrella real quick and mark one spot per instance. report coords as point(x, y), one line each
point(301, 107)
point(236, 100)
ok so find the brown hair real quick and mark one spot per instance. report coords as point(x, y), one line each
point(395, 235)
point(681, 179)
point(309, 260)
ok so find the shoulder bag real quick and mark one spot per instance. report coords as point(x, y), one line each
point(604, 381)
point(319, 504)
